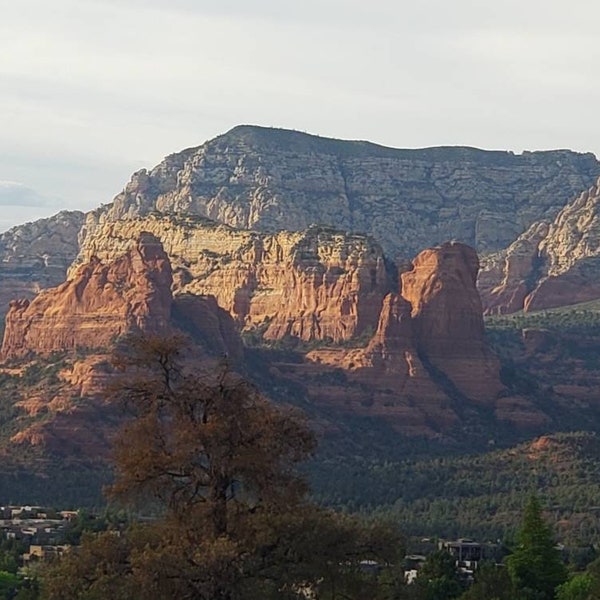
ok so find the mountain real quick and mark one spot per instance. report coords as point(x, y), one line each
point(425, 369)
point(268, 180)
point(331, 261)
point(36, 255)
point(554, 263)
point(272, 179)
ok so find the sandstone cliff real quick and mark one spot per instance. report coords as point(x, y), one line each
point(448, 319)
point(36, 255)
point(270, 179)
point(315, 284)
point(104, 299)
point(427, 365)
point(98, 303)
point(61, 401)
point(554, 263)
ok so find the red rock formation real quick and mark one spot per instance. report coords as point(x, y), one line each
point(447, 319)
point(578, 284)
point(428, 357)
point(505, 277)
point(99, 303)
point(554, 263)
point(209, 324)
point(315, 284)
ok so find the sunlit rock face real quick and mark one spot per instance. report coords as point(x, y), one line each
point(98, 303)
point(427, 360)
point(273, 179)
point(318, 284)
point(448, 319)
point(554, 263)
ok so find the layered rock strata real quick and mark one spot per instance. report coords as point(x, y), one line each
point(427, 361)
point(552, 264)
point(98, 303)
point(316, 284)
point(36, 255)
point(270, 179)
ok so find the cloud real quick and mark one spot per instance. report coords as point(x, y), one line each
point(14, 193)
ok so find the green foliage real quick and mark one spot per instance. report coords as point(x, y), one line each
point(480, 496)
point(15, 587)
point(438, 578)
point(491, 583)
point(579, 587)
point(536, 567)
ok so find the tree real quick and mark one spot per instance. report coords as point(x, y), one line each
point(579, 587)
point(536, 567)
point(492, 583)
point(214, 463)
point(208, 444)
point(438, 578)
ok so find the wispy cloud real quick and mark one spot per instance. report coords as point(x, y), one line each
point(14, 193)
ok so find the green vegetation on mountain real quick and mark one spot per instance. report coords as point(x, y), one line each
point(478, 496)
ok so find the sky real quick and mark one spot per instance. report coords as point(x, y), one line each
point(93, 90)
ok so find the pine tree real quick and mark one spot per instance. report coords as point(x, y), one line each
point(536, 567)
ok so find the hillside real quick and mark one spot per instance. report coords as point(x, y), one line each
point(480, 495)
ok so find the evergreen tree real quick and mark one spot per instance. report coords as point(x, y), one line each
point(536, 567)
point(579, 587)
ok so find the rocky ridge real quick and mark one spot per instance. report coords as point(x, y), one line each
point(427, 364)
point(105, 299)
point(426, 357)
point(554, 263)
point(316, 284)
point(270, 179)
point(37, 255)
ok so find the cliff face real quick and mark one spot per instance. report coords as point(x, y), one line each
point(314, 285)
point(98, 303)
point(552, 264)
point(66, 412)
point(448, 319)
point(36, 255)
point(428, 362)
point(268, 179)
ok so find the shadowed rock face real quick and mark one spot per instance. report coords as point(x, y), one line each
point(37, 255)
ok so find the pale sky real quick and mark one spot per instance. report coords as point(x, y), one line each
point(92, 90)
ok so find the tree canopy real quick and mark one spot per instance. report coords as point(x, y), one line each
point(536, 567)
point(214, 463)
